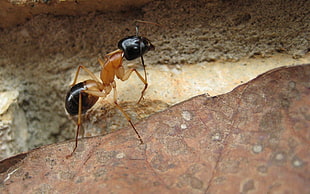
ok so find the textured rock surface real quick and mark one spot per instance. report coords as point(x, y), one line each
point(13, 12)
point(13, 125)
point(253, 139)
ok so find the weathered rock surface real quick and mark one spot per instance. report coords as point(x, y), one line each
point(13, 125)
point(255, 138)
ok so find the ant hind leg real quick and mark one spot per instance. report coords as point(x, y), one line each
point(79, 122)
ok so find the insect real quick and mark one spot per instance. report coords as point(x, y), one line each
point(83, 95)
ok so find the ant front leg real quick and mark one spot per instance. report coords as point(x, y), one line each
point(145, 79)
point(124, 113)
point(122, 75)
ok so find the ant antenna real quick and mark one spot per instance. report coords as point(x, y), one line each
point(142, 60)
point(145, 22)
point(137, 29)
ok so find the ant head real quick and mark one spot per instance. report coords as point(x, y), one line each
point(135, 46)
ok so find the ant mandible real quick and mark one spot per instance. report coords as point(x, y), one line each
point(83, 95)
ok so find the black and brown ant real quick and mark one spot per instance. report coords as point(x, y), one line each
point(83, 95)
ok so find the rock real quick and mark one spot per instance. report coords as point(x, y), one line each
point(13, 125)
point(253, 139)
point(7, 98)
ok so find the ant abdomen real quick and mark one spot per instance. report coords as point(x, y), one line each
point(135, 46)
point(72, 98)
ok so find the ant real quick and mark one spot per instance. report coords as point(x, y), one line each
point(83, 95)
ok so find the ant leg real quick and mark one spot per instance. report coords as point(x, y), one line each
point(91, 74)
point(99, 90)
point(79, 122)
point(104, 94)
point(113, 52)
point(122, 75)
point(102, 62)
point(145, 79)
point(96, 93)
point(124, 113)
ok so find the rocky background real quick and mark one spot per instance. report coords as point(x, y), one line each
point(201, 47)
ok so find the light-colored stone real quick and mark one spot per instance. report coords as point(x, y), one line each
point(13, 126)
point(6, 99)
point(174, 84)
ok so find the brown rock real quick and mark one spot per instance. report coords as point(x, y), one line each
point(255, 138)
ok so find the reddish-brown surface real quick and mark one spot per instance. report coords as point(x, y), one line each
point(255, 138)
